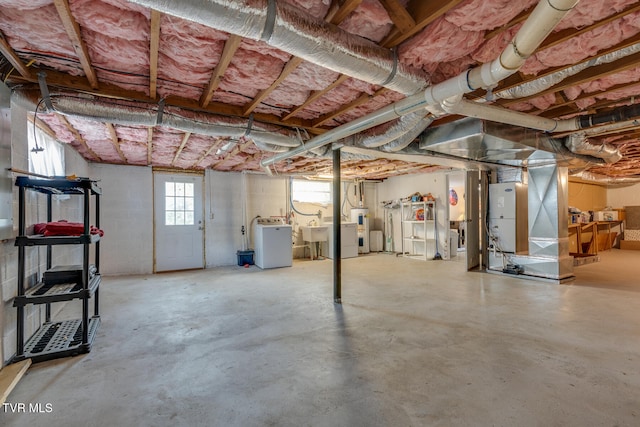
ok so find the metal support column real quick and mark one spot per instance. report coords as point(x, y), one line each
point(337, 219)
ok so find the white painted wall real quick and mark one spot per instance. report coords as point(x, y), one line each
point(621, 196)
point(126, 216)
point(403, 186)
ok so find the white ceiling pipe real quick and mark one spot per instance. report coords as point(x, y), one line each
point(528, 38)
point(459, 105)
point(293, 30)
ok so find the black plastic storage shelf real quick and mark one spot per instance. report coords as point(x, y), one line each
point(60, 283)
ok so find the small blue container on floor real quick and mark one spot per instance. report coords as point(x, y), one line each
point(245, 258)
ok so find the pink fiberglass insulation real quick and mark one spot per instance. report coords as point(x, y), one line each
point(109, 20)
point(124, 80)
point(38, 30)
point(495, 45)
point(314, 8)
point(373, 104)
point(165, 145)
point(97, 138)
point(295, 89)
point(585, 45)
point(369, 20)
point(447, 70)
point(604, 83)
point(117, 54)
point(587, 12)
point(127, 6)
point(134, 152)
point(196, 146)
point(26, 4)
point(441, 41)
point(480, 15)
point(62, 132)
point(250, 72)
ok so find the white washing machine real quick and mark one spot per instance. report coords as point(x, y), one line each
point(272, 241)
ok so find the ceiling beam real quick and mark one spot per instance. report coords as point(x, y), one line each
point(317, 95)
point(185, 138)
point(345, 10)
point(42, 126)
point(230, 47)
point(149, 144)
point(288, 69)
point(362, 99)
point(216, 142)
point(73, 31)
point(550, 112)
point(399, 15)
point(423, 13)
point(11, 56)
point(78, 137)
point(115, 141)
point(154, 46)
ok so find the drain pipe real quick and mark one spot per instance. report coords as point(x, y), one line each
point(541, 22)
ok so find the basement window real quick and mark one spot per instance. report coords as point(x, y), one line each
point(46, 155)
point(311, 191)
point(179, 203)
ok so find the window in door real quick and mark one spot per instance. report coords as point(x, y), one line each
point(179, 203)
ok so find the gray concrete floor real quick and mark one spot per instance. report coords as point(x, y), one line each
point(414, 344)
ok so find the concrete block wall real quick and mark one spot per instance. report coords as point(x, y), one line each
point(126, 216)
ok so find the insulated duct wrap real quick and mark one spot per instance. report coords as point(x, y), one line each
point(403, 125)
point(538, 85)
point(267, 137)
point(291, 30)
point(594, 177)
point(578, 143)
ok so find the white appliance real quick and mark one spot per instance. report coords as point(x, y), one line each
point(272, 241)
point(361, 217)
point(508, 217)
point(348, 240)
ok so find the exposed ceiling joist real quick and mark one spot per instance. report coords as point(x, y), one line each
point(230, 47)
point(317, 95)
point(344, 10)
point(288, 69)
point(78, 137)
point(423, 13)
point(115, 141)
point(154, 44)
point(73, 31)
point(213, 146)
point(11, 56)
point(185, 139)
point(362, 99)
point(399, 15)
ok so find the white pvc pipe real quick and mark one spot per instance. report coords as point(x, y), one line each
point(541, 22)
point(459, 105)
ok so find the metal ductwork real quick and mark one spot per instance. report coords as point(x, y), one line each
point(576, 144)
point(492, 142)
point(292, 30)
point(579, 143)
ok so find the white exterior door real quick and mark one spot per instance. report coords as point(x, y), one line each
point(178, 221)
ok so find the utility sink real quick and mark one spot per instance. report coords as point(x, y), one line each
point(315, 233)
